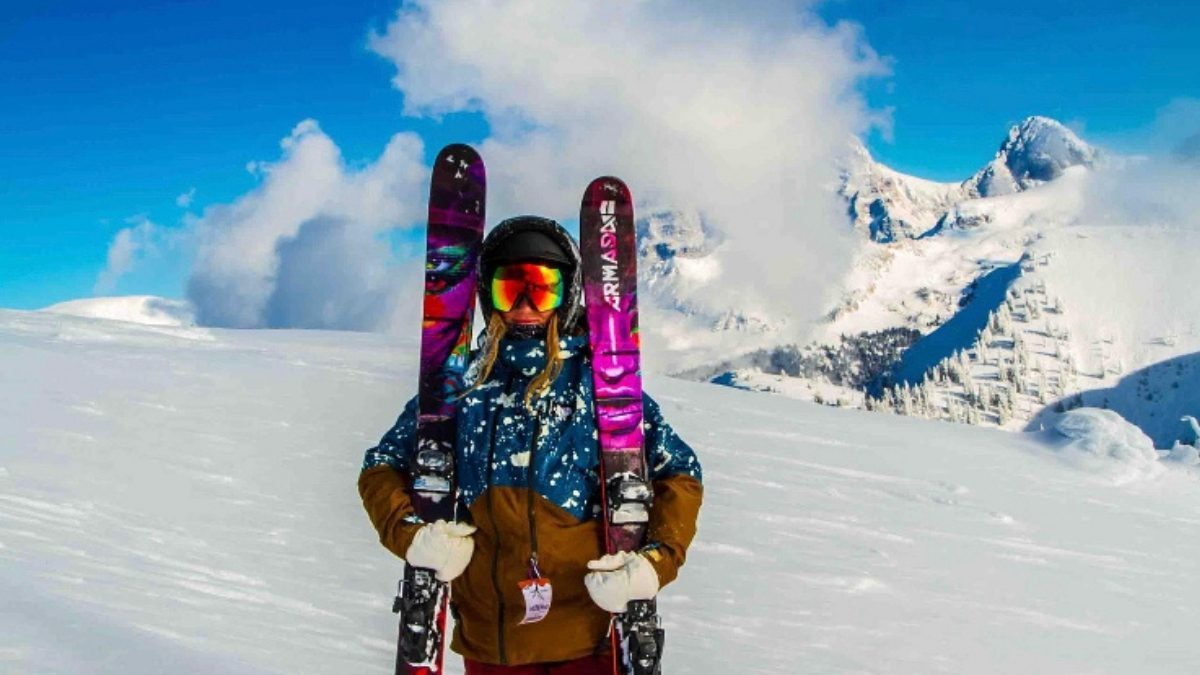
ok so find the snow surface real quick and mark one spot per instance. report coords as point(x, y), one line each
point(184, 500)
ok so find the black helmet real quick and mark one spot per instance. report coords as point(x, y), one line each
point(533, 238)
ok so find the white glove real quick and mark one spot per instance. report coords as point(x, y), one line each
point(443, 547)
point(618, 578)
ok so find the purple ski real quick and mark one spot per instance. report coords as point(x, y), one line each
point(609, 248)
point(457, 198)
point(456, 213)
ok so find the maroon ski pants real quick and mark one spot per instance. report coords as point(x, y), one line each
point(588, 665)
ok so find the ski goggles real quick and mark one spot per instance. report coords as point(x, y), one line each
point(541, 284)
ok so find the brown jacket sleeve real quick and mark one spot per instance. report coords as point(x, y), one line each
point(384, 493)
point(673, 518)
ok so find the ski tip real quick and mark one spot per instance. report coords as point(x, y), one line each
point(458, 152)
point(458, 164)
point(457, 148)
point(608, 186)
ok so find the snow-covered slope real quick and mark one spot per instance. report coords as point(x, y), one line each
point(183, 500)
point(144, 309)
point(1106, 249)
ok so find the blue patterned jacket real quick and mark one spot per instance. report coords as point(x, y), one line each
point(498, 440)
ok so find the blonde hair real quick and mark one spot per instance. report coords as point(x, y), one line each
point(495, 331)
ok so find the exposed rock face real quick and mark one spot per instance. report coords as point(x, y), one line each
point(888, 206)
point(1037, 150)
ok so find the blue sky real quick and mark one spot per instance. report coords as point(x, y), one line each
point(964, 71)
point(110, 110)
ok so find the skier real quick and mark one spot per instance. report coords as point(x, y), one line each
point(531, 589)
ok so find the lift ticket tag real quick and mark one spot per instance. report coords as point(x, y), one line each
point(538, 594)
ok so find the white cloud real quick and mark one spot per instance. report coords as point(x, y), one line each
point(128, 246)
point(739, 114)
point(1176, 129)
point(185, 200)
point(254, 255)
point(1154, 191)
point(1157, 186)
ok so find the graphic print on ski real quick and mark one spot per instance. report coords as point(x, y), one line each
point(457, 200)
point(607, 240)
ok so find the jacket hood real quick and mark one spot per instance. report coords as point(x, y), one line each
point(570, 314)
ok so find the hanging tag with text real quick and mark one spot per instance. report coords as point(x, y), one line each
point(538, 593)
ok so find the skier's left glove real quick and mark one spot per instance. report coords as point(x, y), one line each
point(617, 578)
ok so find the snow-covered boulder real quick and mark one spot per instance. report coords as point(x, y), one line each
point(1191, 431)
point(1184, 454)
point(1187, 448)
point(1095, 433)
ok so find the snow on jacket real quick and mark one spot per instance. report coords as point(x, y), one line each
point(503, 452)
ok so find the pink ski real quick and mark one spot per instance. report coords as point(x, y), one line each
point(608, 244)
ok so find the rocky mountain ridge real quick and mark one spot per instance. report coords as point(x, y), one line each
point(888, 206)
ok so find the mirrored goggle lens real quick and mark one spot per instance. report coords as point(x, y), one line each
point(543, 285)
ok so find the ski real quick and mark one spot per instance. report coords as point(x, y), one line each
point(609, 248)
point(457, 200)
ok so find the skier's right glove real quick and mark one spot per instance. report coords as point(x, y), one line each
point(443, 547)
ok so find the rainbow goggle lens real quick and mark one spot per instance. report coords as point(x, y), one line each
point(541, 284)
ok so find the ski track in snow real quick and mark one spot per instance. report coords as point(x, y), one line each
point(165, 499)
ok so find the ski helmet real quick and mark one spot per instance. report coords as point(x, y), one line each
point(533, 238)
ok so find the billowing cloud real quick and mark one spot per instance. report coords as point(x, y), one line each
point(302, 249)
point(738, 115)
point(128, 246)
point(1157, 186)
point(334, 275)
point(1154, 190)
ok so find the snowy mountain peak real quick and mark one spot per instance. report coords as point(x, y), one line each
point(1037, 150)
point(889, 206)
